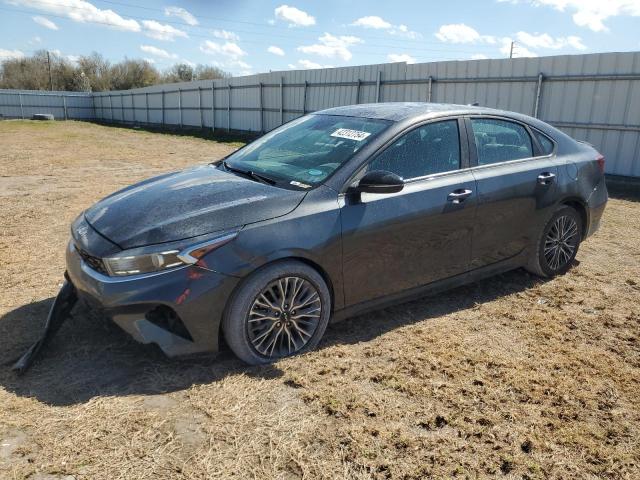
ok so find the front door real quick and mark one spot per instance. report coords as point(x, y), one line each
point(395, 242)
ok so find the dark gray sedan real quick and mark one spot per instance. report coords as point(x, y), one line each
point(334, 213)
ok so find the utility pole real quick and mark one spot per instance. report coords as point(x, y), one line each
point(511, 50)
point(50, 77)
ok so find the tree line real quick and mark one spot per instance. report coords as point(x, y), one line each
point(93, 73)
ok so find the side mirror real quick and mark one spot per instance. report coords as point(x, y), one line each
point(380, 181)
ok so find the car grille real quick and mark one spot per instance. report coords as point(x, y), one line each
point(94, 263)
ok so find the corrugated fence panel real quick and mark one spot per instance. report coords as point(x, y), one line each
point(594, 97)
point(62, 105)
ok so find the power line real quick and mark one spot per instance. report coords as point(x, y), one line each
point(258, 24)
point(442, 48)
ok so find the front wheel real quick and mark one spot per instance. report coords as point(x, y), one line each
point(557, 244)
point(280, 310)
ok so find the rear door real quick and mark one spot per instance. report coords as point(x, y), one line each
point(395, 242)
point(516, 183)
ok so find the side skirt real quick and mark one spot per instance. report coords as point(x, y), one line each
point(432, 288)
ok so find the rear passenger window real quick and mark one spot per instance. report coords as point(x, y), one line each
point(427, 150)
point(500, 140)
point(545, 144)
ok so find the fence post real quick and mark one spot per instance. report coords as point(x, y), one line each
point(64, 104)
point(378, 86)
point(162, 106)
point(229, 109)
point(429, 88)
point(304, 98)
point(93, 102)
point(21, 107)
point(200, 105)
point(122, 108)
point(213, 106)
point(358, 92)
point(146, 107)
point(261, 108)
point(180, 105)
point(110, 109)
point(133, 108)
point(538, 93)
point(281, 100)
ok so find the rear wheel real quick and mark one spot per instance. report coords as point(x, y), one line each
point(557, 244)
point(280, 310)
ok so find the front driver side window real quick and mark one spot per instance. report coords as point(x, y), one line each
point(426, 150)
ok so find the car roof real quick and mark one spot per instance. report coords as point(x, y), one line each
point(398, 111)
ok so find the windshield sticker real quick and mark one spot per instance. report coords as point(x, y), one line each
point(299, 184)
point(349, 134)
point(314, 172)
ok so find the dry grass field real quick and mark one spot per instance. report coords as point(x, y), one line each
point(512, 377)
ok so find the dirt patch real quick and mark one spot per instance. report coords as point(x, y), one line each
point(512, 377)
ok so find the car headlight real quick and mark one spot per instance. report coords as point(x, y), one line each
point(145, 260)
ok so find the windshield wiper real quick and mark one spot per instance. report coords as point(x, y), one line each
point(255, 176)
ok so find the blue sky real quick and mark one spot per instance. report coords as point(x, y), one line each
point(244, 37)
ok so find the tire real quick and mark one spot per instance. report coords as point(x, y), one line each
point(552, 241)
point(260, 326)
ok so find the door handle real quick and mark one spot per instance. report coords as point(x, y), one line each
point(459, 196)
point(546, 178)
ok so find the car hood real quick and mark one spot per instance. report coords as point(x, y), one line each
point(186, 204)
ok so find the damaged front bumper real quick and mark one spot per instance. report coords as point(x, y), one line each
point(58, 313)
point(180, 310)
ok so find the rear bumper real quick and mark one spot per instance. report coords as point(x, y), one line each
point(596, 204)
point(196, 295)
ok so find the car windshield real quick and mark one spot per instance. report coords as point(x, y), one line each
point(307, 150)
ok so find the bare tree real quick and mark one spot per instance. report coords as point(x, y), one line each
point(94, 73)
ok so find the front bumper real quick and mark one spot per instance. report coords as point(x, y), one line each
point(196, 295)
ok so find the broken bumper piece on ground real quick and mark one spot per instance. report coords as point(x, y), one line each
point(59, 312)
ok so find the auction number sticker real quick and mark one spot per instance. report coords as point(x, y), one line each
point(349, 134)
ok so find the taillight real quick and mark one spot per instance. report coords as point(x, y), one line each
point(600, 162)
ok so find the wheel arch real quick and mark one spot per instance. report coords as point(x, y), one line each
point(580, 206)
point(299, 258)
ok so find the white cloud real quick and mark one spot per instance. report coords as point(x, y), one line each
point(182, 14)
point(10, 54)
point(309, 65)
point(479, 56)
point(518, 50)
point(544, 40)
point(226, 35)
point(401, 57)
point(149, 60)
point(331, 46)
point(188, 62)
point(73, 58)
point(240, 63)
point(590, 13)
point(294, 17)
point(82, 12)
point(162, 31)
point(276, 50)
point(461, 33)
point(157, 52)
point(45, 22)
point(228, 49)
point(372, 21)
point(379, 23)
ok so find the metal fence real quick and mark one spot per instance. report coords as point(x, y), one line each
point(593, 97)
point(63, 105)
